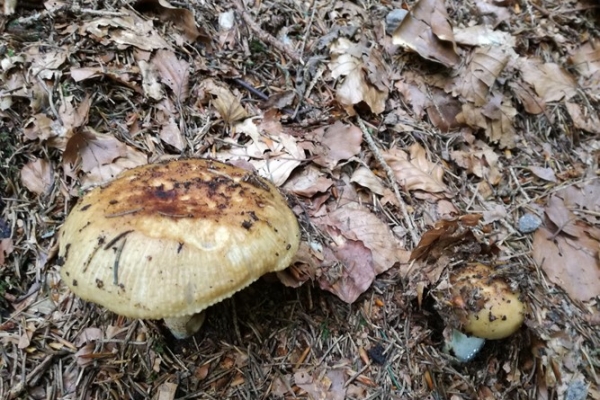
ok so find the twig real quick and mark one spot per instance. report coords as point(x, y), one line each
point(390, 174)
point(21, 386)
point(264, 36)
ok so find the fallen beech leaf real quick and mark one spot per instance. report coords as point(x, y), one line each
point(129, 30)
point(364, 177)
point(551, 82)
point(546, 174)
point(483, 35)
point(92, 149)
point(563, 219)
point(581, 197)
point(339, 142)
point(351, 60)
point(496, 119)
point(484, 68)
point(182, 19)
point(586, 59)
point(308, 182)
point(416, 172)
point(226, 104)
point(480, 160)
point(6, 247)
point(589, 123)
point(443, 110)
point(531, 102)
point(427, 31)
point(173, 72)
point(570, 262)
point(37, 176)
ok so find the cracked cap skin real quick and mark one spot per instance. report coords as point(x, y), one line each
point(169, 240)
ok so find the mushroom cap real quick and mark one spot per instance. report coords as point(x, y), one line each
point(169, 240)
point(490, 309)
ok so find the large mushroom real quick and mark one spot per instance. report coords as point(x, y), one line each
point(169, 240)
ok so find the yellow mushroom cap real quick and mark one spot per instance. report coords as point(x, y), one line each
point(169, 240)
point(487, 307)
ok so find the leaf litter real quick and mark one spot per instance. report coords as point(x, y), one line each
point(404, 155)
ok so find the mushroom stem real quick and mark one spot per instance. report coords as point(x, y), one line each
point(186, 326)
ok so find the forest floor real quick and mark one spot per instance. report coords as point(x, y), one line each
point(468, 133)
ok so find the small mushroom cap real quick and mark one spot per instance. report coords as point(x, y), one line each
point(169, 240)
point(489, 308)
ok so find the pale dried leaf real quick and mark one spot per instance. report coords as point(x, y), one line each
point(427, 31)
point(483, 70)
point(37, 176)
point(347, 61)
point(586, 119)
point(586, 59)
point(72, 117)
point(181, 19)
point(495, 118)
point(339, 142)
point(92, 149)
point(128, 30)
point(546, 174)
point(226, 103)
point(150, 80)
point(530, 101)
point(551, 81)
point(416, 172)
point(364, 177)
point(308, 182)
point(570, 262)
point(173, 72)
point(480, 160)
point(171, 134)
point(483, 35)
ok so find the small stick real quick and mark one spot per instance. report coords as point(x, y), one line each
point(116, 239)
point(126, 212)
point(264, 36)
point(116, 264)
point(390, 174)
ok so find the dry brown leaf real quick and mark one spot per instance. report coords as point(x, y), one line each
point(484, 68)
point(104, 173)
point(308, 182)
point(364, 177)
point(323, 385)
point(563, 219)
point(551, 82)
point(492, 14)
point(586, 59)
point(169, 130)
point(570, 262)
point(415, 171)
point(483, 35)
point(546, 174)
point(40, 127)
point(46, 62)
point(150, 79)
point(173, 72)
point(127, 30)
point(225, 102)
point(92, 149)
point(166, 391)
point(6, 247)
point(480, 160)
point(496, 119)
point(350, 60)
point(583, 199)
point(38, 176)
point(338, 142)
point(586, 120)
point(72, 117)
point(274, 155)
point(182, 19)
point(443, 110)
point(531, 102)
point(414, 94)
point(427, 31)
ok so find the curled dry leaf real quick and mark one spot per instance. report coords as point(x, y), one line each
point(37, 176)
point(546, 174)
point(415, 172)
point(586, 59)
point(427, 31)
point(351, 60)
point(181, 18)
point(128, 30)
point(225, 102)
point(480, 160)
point(364, 177)
point(482, 71)
point(495, 118)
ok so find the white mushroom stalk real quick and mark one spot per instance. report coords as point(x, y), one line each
point(170, 240)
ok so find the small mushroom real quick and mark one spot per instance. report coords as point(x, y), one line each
point(482, 307)
point(488, 307)
point(170, 240)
